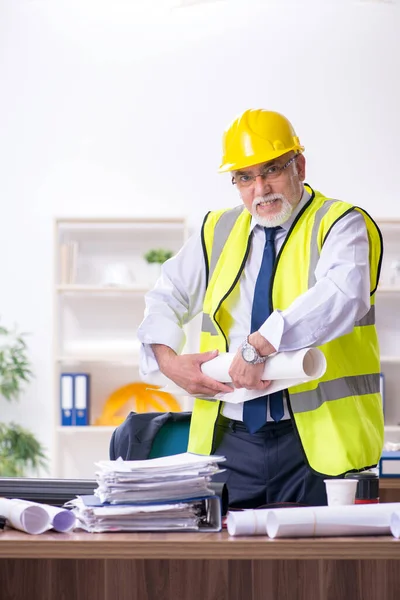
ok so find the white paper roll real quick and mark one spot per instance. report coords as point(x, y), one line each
point(247, 522)
point(305, 364)
point(395, 524)
point(329, 521)
point(283, 369)
point(28, 517)
point(291, 522)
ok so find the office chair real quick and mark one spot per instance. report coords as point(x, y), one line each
point(150, 435)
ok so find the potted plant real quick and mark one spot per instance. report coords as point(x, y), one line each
point(20, 451)
point(156, 257)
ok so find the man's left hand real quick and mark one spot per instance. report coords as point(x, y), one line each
point(245, 375)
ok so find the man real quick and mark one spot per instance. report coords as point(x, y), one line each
point(288, 269)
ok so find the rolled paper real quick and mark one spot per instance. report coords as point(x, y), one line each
point(329, 521)
point(247, 522)
point(283, 369)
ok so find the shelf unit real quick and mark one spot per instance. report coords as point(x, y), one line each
point(101, 278)
point(388, 325)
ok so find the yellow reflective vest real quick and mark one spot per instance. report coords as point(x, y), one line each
point(338, 418)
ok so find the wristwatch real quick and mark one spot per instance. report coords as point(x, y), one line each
point(250, 354)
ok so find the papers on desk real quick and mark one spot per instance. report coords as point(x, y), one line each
point(284, 369)
point(191, 515)
point(36, 518)
point(180, 477)
point(161, 494)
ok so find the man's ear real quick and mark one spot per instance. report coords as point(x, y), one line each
point(301, 166)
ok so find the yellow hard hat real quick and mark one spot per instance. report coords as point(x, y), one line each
point(257, 136)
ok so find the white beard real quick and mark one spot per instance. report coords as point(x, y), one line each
point(273, 220)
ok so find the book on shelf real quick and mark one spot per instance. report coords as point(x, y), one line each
point(389, 464)
point(68, 262)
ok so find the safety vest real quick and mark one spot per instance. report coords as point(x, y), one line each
point(339, 417)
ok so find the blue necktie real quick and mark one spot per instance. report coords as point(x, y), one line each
point(255, 411)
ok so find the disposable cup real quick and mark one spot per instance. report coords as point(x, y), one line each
point(341, 491)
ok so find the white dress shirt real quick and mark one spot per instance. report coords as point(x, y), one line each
point(329, 309)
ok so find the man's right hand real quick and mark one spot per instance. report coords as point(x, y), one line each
point(185, 371)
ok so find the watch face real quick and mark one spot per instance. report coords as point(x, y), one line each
point(248, 353)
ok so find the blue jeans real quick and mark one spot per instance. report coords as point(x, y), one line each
point(266, 467)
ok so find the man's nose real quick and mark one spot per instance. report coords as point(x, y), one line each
point(261, 186)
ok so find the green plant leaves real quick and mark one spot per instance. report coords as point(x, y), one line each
point(158, 255)
point(19, 449)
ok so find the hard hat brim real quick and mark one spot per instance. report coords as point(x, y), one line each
point(256, 160)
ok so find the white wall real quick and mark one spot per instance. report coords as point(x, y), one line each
point(106, 109)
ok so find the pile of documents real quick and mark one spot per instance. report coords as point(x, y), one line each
point(161, 494)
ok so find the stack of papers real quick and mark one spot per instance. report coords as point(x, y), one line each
point(161, 494)
point(190, 516)
point(168, 478)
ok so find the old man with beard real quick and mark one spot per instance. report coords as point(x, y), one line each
point(287, 269)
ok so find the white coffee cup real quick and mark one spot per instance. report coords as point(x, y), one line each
point(341, 492)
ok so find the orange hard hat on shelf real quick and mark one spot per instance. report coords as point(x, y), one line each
point(257, 136)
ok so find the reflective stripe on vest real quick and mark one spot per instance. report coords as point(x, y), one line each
point(335, 390)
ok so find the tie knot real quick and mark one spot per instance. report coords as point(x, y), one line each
point(270, 233)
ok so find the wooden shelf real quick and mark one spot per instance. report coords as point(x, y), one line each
point(115, 223)
point(86, 429)
point(94, 324)
point(110, 359)
point(390, 359)
point(387, 289)
point(98, 289)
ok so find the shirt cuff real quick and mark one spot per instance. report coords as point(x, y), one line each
point(167, 334)
point(272, 329)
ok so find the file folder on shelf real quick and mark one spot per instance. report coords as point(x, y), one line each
point(389, 464)
point(81, 398)
point(67, 398)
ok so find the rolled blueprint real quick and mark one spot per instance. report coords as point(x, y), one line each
point(330, 521)
point(26, 516)
point(35, 518)
point(62, 520)
point(247, 522)
point(395, 523)
point(284, 369)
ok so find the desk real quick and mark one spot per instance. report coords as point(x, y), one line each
point(389, 489)
point(82, 566)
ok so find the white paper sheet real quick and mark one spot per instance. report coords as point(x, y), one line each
point(162, 464)
point(284, 369)
point(36, 518)
point(329, 521)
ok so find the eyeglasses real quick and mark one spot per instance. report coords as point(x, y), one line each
point(267, 173)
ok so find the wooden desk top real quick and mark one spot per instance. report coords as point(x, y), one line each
point(389, 483)
point(15, 544)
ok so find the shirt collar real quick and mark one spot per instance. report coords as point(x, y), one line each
point(287, 224)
